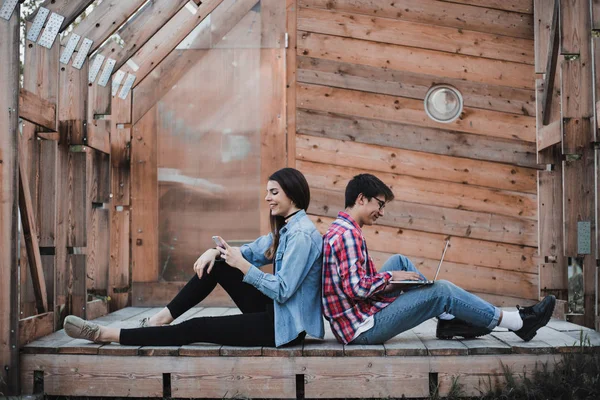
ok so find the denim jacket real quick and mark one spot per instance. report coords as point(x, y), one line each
point(295, 286)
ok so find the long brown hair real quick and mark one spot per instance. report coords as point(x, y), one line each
point(295, 187)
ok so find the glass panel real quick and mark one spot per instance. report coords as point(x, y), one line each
point(209, 126)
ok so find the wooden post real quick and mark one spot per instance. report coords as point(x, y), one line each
point(9, 103)
point(291, 67)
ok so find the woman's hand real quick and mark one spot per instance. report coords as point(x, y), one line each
point(233, 257)
point(206, 259)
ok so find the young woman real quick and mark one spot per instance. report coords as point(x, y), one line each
point(277, 308)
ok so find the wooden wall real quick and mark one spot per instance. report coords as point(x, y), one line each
point(363, 69)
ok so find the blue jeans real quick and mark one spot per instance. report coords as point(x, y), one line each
point(421, 303)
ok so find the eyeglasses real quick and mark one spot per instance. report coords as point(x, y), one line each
point(380, 202)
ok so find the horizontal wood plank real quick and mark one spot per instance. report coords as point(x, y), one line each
point(411, 137)
point(427, 191)
point(473, 278)
point(37, 110)
point(429, 245)
point(35, 327)
point(407, 33)
point(437, 13)
point(521, 6)
point(417, 164)
point(549, 135)
point(449, 221)
point(393, 82)
point(410, 111)
point(424, 61)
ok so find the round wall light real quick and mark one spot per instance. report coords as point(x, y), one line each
point(443, 103)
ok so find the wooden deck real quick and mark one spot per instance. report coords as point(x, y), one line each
point(406, 365)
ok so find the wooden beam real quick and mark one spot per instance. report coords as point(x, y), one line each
point(551, 62)
point(78, 292)
point(104, 20)
point(35, 327)
point(291, 73)
point(165, 40)
point(67, 8)
point(9, 289)
point(73, 94)
point(549, 135)
point(34, 108)
point(77, 195)
point(144, 199)
point(542, 23)
point(149, 19)
point(31, 241)
point(98, 130)
point(574, 25)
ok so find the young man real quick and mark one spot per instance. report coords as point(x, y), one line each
point(363, 307)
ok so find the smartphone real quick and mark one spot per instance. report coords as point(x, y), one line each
point(218, 241)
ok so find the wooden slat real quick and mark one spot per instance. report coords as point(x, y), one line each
point(120, 152)
point(428, 245)
point(428, 191)
point(534, 346)
point(410, 111)
point(578, 197)
point(73, 92)
point(553, 275)
point(222, 20)
point(415, 85)
point(97, 252)
point(411, 137)
point(473, 278)
point(46, 208)
point(144, 199)
point(37, 110)
point(417, 164)
point(67, 8)
point(549, 135)
point(118, 269)
point(426, 333)
point(542, 22)
point(31, 241)
point(406, 33)
point(291, 79)
point(547, 155)
point(428, 218)
point(576, 90)
point(78, 205)
point(78, 292)
point(148, 20)
point(98, 130)
point(167, 38)
point(577, 135)
point(595, 14)
point(486, 345)
point(365, 377)
point(96, 308)
point(104, 20)
point(438, 13)
point(551, 61)
point(328, 347)
point(574, 25)
point(476, 374)
point(405, 344)
point(381, 55)
point(521, 6)
point(35, 327)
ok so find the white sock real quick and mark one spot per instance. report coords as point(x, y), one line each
point(511, 320)
point(445, 316)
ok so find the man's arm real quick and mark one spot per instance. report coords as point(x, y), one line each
point(358, 282)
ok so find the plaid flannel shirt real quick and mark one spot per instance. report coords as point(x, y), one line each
point(351, 284)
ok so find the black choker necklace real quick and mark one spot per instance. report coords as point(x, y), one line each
point(291, 215)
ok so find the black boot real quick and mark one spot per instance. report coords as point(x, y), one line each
point(447, 329)
point(535, 317)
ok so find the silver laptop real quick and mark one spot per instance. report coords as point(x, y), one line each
point(436, 273)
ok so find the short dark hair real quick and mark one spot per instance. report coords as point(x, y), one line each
point(369, 185)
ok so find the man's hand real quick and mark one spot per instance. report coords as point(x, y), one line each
point(206, 259)
point(406, 276)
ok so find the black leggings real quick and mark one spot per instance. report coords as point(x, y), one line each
point(255, 327)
